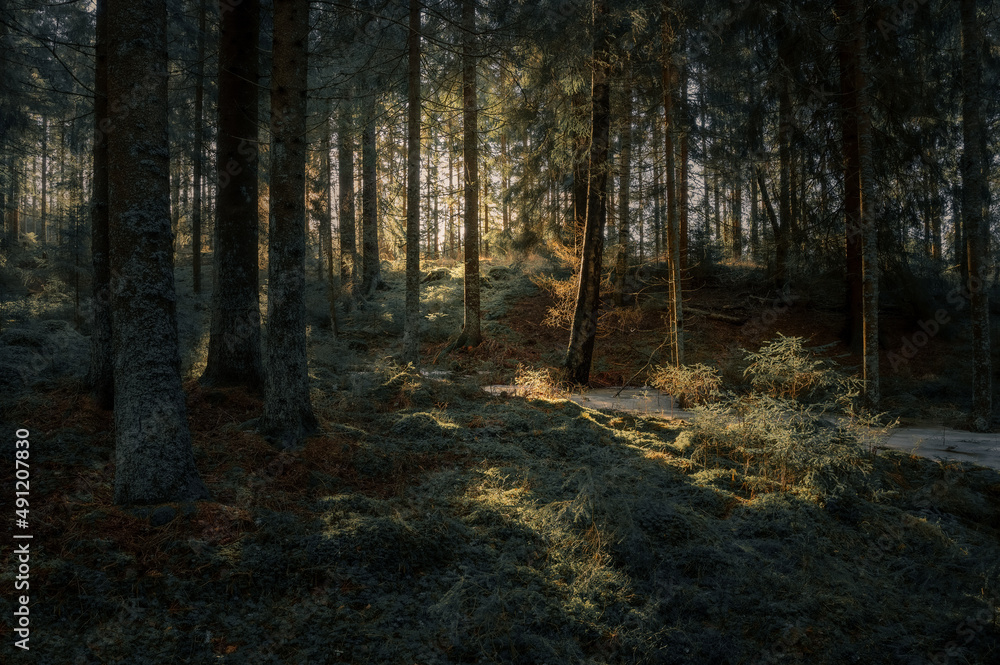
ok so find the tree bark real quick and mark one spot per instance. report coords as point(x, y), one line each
point(347, 216)
point(234, 353)
point(331, 269)
point(411, 333)
point(43, 237)
point(669, 78)
point(854, 328)
point(471, 332)
point(154, 462)
point(199, 102)
point(624, 174)
point(288, 416)
point(371, 270)
point(583, 334)
point(101, 374)
point(975, 198)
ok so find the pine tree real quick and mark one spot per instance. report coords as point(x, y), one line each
point(580, 352)
point(153, 457)
point(234, 353)
point(288, 416)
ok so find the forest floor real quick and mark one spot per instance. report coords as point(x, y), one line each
point(433, 522)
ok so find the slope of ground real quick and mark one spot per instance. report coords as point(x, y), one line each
point(445, 525)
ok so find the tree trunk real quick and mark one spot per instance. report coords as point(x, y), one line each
point(781, 240)
point(154, 462)
point(581, 175)
point(682, 179)
point(288, 416)
point(43, 217)
point(471, 333)
point(101, 374)
point(332, 269)
point(411, 334)
point(199, 97)
point(348, 222)
point(975, 198)
point(371, 270)
point(583, 334)
point(621, 259)
point(849, 78)
point(669, 78)
point(234, 354)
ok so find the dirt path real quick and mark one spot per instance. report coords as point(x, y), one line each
point(930, 442)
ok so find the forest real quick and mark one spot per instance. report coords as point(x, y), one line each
point(469, 331)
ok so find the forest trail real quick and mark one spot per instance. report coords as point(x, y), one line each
point(933, 442)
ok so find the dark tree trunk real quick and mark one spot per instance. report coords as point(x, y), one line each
point(781, 231)
point(411, 334)
point(348, 221)
point(371, 270)
point(234, 354)
point(625, 185)
point(288, 416)
point(581, 175)
point(682, 176)
point(154, 462)
point(101, 374)
point(199, 101)
point(331, 269)
point(43, 237)
point(471, 333)
point(583, 334)
point(669, 78)
point(975, 198)
point(854, 328)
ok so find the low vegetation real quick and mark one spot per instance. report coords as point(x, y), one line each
point(434, 523)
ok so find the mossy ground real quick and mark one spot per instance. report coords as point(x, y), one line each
point(433, 523)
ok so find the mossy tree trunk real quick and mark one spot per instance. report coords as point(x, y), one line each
point(234, 354)
point(288, 416)
point(583, 333)
point(153, 457)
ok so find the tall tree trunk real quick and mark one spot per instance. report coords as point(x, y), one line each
point(234, 354)
point(371, 270)
point(411, 333)
point(101, 374)
point(199, 101)
point(657, 190)
point(348, 222)
point(154, 462)
point(682, 178)
point(332, 269)
point(624, 173)
point(781, 240)
point(669, 79)
point(859, 190)
point(975, 198)
point(625, 184)
point(736, 228)
point(471, 333)
point(583, 334)
point(581, 175)
point(853, 333)
point(43, 217)
point(288, 416)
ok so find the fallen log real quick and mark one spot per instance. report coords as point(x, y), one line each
point(725, 318)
